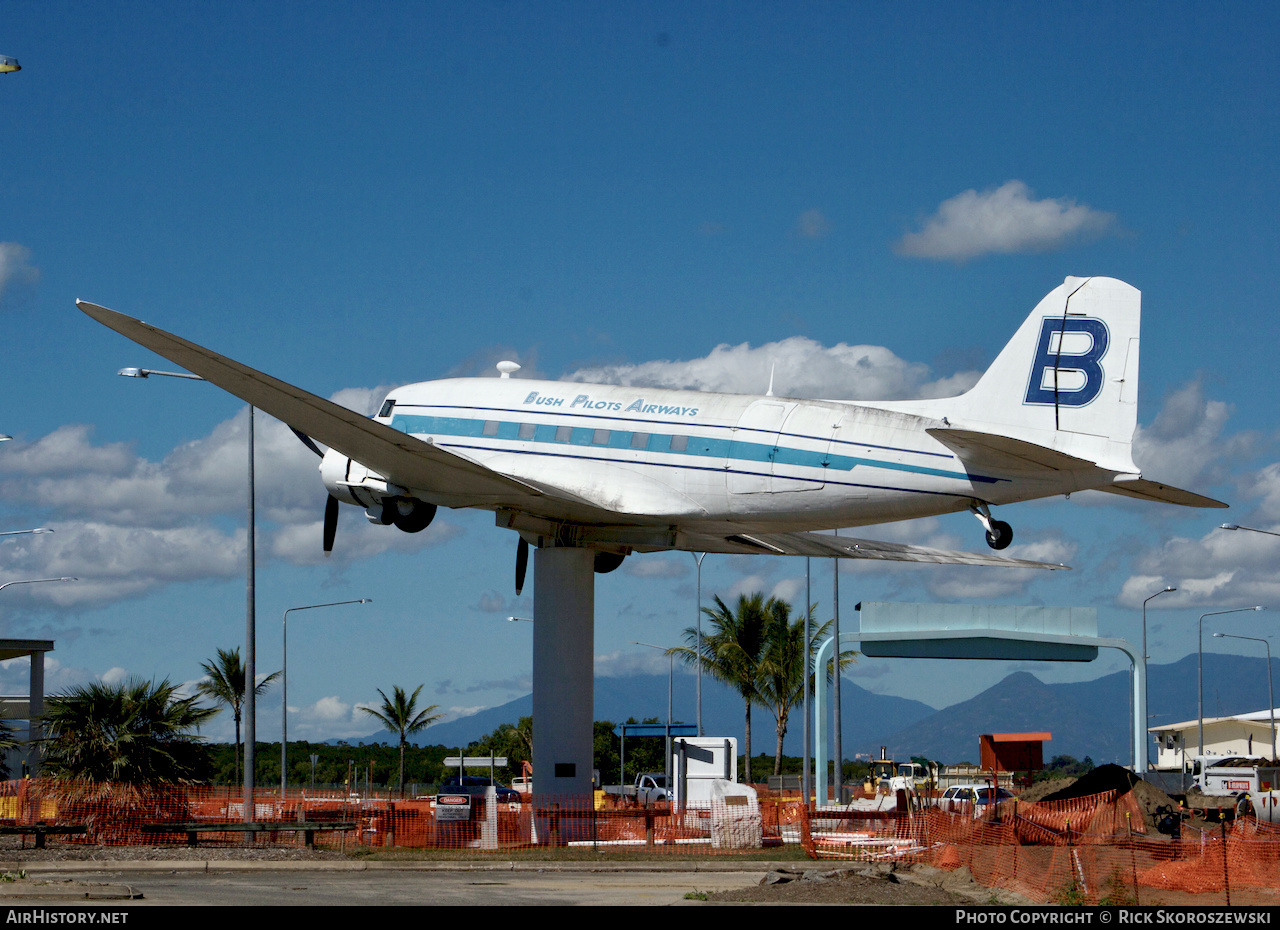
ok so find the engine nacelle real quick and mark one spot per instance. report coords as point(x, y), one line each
point(349, 481)
point(352, 483)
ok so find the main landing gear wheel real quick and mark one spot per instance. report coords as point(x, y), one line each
point(1000, 535)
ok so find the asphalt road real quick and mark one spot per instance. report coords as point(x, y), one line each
point(272, 884)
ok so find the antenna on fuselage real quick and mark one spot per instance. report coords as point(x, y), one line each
point(769, 393)
point(506, 368)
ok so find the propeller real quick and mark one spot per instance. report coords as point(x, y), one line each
point(522, 564)
point(330, 523)
point(331, 505)
point(307, 441)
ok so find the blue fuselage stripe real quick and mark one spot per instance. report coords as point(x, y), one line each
point(725, 450)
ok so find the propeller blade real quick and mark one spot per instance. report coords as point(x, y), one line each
point(307, 441)
point(522, 564)
point(330, 523)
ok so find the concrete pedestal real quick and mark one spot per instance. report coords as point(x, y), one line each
point(563, 670)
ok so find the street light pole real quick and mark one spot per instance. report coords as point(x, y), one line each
point(1271, 697)
point(250, 618)
point(284, 684)
point(671, 666)
point(34, 581)
point(37, 530)
point(1147, 741)
point(1200, 670)
point(698, 557)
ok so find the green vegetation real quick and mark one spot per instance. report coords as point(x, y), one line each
point(1063, 767)
point(780, 678)
point(759, 651)
point(226, 686)
point(7, 741)
point(731, 651)
point(136, 732)
point(401, 716)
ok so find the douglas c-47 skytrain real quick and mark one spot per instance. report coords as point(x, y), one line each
point(619, 470)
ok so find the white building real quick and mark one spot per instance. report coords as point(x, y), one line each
point(1241, 735)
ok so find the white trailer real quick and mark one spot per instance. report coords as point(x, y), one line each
point(697, 762)
point(1230, 776)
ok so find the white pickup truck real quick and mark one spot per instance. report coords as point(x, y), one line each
point(649, 787)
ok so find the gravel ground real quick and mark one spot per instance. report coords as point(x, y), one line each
point(875, 884)
point(14, 851)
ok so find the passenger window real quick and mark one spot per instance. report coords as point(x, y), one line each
point(564, 433)
point(639, 440)
point(600, 437)
point(491, 427)
point(527, 430)
point(679, 443)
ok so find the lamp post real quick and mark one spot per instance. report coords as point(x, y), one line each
point(1251, 529)
point(250, 615)
point(1271, 698)
point(38, 529)
point(698, 557)
point(34, 581)
point(671, 665)
point(1200, 670)
point(1165, 590)
point(806, 777)
point(284, 683)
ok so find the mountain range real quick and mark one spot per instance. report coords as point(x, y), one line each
point(1090, 718)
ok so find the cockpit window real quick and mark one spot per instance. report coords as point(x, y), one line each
point(387, 406)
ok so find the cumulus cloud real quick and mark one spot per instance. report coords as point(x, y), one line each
point(113, 562)
point(1185, 445)
point(952, 582)
point(1003, 220)
point(657, 566)
point(1222, 570)
point(801, 368)
point(621, 664)
point(16, 270)
point(125, 525)
point(115, 676)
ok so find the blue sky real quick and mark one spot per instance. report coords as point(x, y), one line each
point(351, 197)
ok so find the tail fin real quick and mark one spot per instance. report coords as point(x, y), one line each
point(1068, 379)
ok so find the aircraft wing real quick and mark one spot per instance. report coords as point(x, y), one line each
point(821, 545)
point(394, 455)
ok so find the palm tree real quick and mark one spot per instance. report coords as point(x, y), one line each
point(781, 675)
point(8, 741)
point(732, 651)
point(226, 686)
point(400, 714)
point(137, 732)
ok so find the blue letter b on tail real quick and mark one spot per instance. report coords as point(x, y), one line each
point(1067, 369)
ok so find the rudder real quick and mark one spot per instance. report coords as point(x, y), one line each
point(1068, 379)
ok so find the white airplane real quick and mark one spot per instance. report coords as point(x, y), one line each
point(620, 470)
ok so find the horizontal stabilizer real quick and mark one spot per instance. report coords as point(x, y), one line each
point(821, 545)
point(1145, 490)
point(992, 451)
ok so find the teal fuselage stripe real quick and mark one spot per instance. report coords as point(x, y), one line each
point(701, 446)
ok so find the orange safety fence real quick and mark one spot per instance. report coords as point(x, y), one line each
point(1088, 850)
point(1085, 851)
point(122, 815)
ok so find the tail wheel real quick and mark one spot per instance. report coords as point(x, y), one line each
point(1000, 535)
